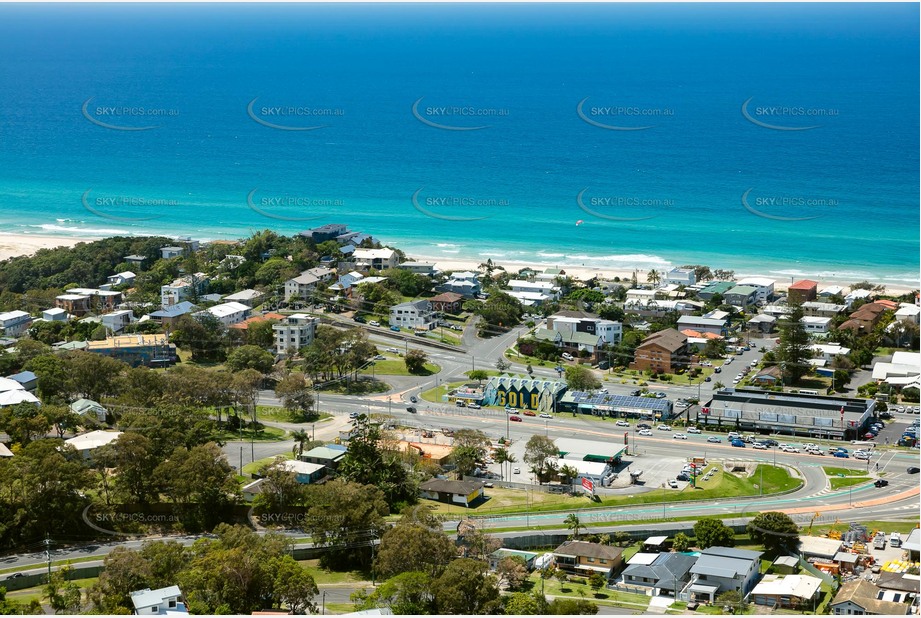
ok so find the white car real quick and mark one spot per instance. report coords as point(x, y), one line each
point(566, 356)
point(810, 446)
point(679, 436)
point(673, 483)
point(374, 323)
point(664, 428)
point(729, 361)
point(754, 363)
point(622, 424)
point(645, 432)
point(392, 350)
point(545, 415)
point(759, 446)
point(693, 430)
point(736, 380)
point(733, 435)
point(789, 449)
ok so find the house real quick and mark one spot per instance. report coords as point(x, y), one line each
point(680, 276)
point(865, 318)
point(608, 331)
point(330, 231)
point(545, 289)
point(639, 296)
point(147, 350)
point(717, 326)
point(769, 376)
point(504, 552)
point(714, 288)
point(89, 408)
point(252, 489)
point(901, 582)
point(452, 492)
point(719, 569)
point(786, 591)
point(117, 320)
point(168, 253)
point(762, 322)
point(823, 310)
point(572, 341)
point(466, 287)
point(246, 297)
point(413, 314)
point(448, 302)
point(228, 313)
point(27, 379)
point(329, 456)
point(802, 291)
point(829, 351)
point(99, 301)
point(304, 284)
point(304, 471)
point(168, 316)
point(741, 296)
point(375, 259)
point(585, 558)
point(136, 261)
point(13, 397)
point(54, 315)
point(860, 597)
point(294, 332)
point(663, 574)
point(550, 274)
point(908, 312)
point(182, 288)
point(664, 352)
point(815, 325)
point(855, 295)
point(123, 278)
point(74, 304)
point(347, 281)
point(255, 319)
point(86, 443)
point(819, 547)
point(912, 544)
point(905, 367)
point(764, 287)
point(832, 290)
point(419, 268)
point(160, 602)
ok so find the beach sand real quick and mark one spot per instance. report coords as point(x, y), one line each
point(27, 244)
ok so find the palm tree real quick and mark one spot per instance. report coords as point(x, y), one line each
point(568, 473)
point(510, 459)
point(300, 438)
point(502, 458)
point(654, 277)
point(572, 522)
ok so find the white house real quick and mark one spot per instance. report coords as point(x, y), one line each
point(413, 314)
point(294, 332)
point(824, 310)
point(419, 268)
point(117, 320)
point(680, 276)
point(763, 285)
point(908, 312)
point(608, 331)
point(640, 295)
point(180, 289)
point(87, 443)
point(168, 253)
point(55, 314)
point(829, 351)
point(376, 259)
point(815, 325)
point(716, 326)
point(719, 569)
point(832, 290)
point(228, 313)
point(855, 295)
point(349, 280)
point(14, 323)
point(160, 602)
point(545, 288)
point(304, 284)
point(246, 297)
point(123, 278)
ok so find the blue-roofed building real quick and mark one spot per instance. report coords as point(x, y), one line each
point(663, 575)
point(168, 315)
point(28, 380)
point(719, 569)
point(618, 406)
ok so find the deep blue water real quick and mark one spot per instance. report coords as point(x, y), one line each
point(850, 70)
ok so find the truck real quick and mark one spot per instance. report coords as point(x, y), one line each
point(895, 540)
point(879, 542)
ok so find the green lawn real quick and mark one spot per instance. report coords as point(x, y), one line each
point(435, 394)
point(397, 367)
point(266, 434)
point(831, 471)
point(280, 415)
point(254, 466)
point(324, 576)
point(26, 595)
point(848, 481)
point(554, 587)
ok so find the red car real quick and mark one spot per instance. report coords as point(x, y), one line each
point(514, 417)
point(529, 413)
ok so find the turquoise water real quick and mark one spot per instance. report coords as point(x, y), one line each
point(847, 190)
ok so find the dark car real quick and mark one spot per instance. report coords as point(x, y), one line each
point(635, 392)
point(913, 469)
point(15, 576)
point(414, 399)
point(360, 319)
point(707, 379)
point(770, 442)
point(881, 482)
point(514, 417)
point(644, 426)
point(411, 409)
point(683, 477)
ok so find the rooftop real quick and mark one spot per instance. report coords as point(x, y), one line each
point(582, 549)
point(451, 487)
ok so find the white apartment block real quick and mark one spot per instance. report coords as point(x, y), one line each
point(294, 333)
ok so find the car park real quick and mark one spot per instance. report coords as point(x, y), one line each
point(679, 436)
point(545, 415)
point(645, 432)
point(515, 417)
point(693, 430)
point(714, 440)
point(622, 424)
point(374, 323)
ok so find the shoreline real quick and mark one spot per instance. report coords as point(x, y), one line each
point(18, 244)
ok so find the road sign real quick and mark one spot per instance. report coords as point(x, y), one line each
point(588, 484)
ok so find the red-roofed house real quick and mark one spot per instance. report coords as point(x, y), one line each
point(448, 302)
point(256, 318)
point(803, 291)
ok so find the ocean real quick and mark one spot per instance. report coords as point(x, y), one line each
point(777, 139)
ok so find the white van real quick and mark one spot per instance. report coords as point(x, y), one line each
point(895, 540)
point(566, 356)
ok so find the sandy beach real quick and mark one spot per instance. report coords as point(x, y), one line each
point(12, 245)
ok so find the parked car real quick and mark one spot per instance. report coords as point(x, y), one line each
point(359, 319)
point(635, 392)
point(15, 576)
point(515, 417)
point(392, 350)
point(693, 430)
point(395, 329)
point(673, 483)
point(516, 470)
point(913, 469)
point(683, 477)
point(714, 439)
point(474, 406)
point(374, 323)
point(733, 435)
point(622, 424)
point(717, 370)
point(545, 415)
point(567, 356)
point(460, 403)
point(770, 442)
point(353, 414)
point(707, 379)
point(679, 436)
point(660, 395)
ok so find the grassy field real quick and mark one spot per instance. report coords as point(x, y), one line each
point(254, 466)
point(435, 394)
point(266, 434)
point(324, 576)
point(554, 587)
point(848, 481)
point(280, 415)
point(831, 471)
point(397, 367)
point(26, 595)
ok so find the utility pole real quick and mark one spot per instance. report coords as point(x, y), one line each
point(241, 459)
point(48, 555)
